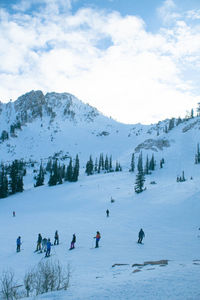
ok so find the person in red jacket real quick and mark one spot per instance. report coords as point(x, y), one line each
point(97, 237)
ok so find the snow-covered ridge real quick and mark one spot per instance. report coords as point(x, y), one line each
point(37, 126)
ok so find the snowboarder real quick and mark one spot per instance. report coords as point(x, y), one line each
point(107, 213)
point(44, 244)
point(18, 243)
point(73, 242)
point(48, 248)
point(13, 213)
point(39, 241)
point(56, 238)
point(141, 235)
point(97, 237)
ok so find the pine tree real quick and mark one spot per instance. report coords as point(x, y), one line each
point(146, 169)
point(106, 163)
point(53, 180)
point(197, 156)
point(117, 167)
point(132, 169)
point(76, 169)
point(40, 177)
point(89, 166)
point(152, 164)
point(140, 178)
point(3, 183)
point(102, 162)
point(96, 166)
point(13, 177)
point(110, 164)
point(69, 172)
point(171, 124)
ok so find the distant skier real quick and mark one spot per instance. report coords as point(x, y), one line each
point(56, 238)
point(44, 244)
point(13, 213)
point(39, 241)
point(18, 243)
point(48, 248)
point(97, 237)
point(73, 242)
point(141, 235)
point(107, 213)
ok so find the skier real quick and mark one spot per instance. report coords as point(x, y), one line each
point(44, 244)
point(107, 213)
point(97, 237)
point(73, 242)
point(48, 248)
point(56, 238)
point(18, 243)
point(13, 213)
point(39, 241)
point(141, 235)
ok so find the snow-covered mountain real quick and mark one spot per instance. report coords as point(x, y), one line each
point(37, 126)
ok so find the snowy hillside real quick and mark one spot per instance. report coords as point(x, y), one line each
point(168, 212)
point(39, 126)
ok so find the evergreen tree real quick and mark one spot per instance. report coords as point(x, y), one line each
point(117, 167)
point(99, 165)
point(102, 162)
point(13, 177)
point(171, 124)
point(3, 183)
point(152, 164)
point(106, 163)
point(40, 177)
point(110, 164)
point(140, 178)
point(89, 166)
point(53, 179)
point(146, 169)
point(59, 178)
point(96, 166)
point(197, 156)
point(132, 169)
point(49, 165)
point(76, 169)
point(69, 172)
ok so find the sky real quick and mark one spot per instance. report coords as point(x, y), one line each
point(136, 61)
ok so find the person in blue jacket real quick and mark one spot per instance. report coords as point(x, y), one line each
point(48, 251)
point(18, 243)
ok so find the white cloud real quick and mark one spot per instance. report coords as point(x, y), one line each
point(137, 77)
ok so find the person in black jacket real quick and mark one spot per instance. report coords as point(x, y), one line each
point(141, 235)
point(56, 238)
point(73, 241)
point(39, 241)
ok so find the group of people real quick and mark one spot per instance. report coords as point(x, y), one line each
point(44, 244)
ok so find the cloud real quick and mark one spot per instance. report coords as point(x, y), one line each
point(136, 76)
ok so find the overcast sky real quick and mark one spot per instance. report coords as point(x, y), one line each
point(137, 61)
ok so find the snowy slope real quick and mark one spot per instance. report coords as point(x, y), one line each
point(167, 211)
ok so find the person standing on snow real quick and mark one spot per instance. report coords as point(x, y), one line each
point(48, 248)
point(18, 243)
point(56, 238)
point(39, 241)
point(73, 241)
point(107, 213)
point(44, 244)
point(141, 235)
point(97, 237)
